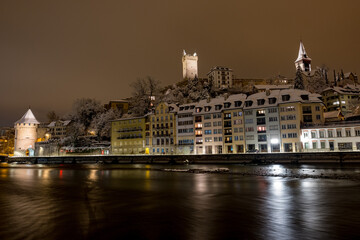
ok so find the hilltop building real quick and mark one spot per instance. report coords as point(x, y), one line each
point(340, 98)
point(25, 134)
point(222, 77)
point(190, 65)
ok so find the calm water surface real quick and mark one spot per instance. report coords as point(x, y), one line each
point(138, 202)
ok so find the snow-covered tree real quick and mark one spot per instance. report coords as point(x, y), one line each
point(52, 116)
point(299, 81)
point(144, 91)
point(85, 110)
point(101, 123)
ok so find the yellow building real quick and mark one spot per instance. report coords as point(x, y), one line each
point(163, 129)
point(121, 105)
point(128, 136)
point(297, 109)
point(340, 98)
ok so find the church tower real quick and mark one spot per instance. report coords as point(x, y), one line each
point(25, 133)
point(303, 61)
point(190, 65)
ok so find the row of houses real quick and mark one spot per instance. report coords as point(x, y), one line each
point(287, 120)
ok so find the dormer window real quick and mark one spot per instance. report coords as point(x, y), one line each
point(305, 97)
point(272, 100)
point(198, 109)
point(218, 107)
point(186, 107)
point(181, 108)
point(192, 107)
point(207, 108)
point(248, 103)
point(238, 103)
point(285, 97)
point(227, 105)
point(261, 102)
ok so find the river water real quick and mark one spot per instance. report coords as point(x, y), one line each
point(144, 202)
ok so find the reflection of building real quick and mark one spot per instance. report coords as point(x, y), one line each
point(121, 105)
point(342, 136)
point(128, 135)
point(222, 77)
point(190, 65)
point(339, 98)
point(25, 133)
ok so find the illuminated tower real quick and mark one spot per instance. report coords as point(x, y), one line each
point(25, 133)
point(303, 61)
point(190, 66)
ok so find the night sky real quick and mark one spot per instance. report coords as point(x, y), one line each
point(53, 52)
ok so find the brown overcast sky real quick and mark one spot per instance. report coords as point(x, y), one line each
point(52, 52)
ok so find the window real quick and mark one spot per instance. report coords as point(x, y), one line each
point(292, 135)
point(260, 113)
point(313, 134)
point(330, 133)
point(248, 112)
point(260, 121)
point(322, 144)
point(248, 121)
point(236, 138)
point(284, 135)
point(208, 139)
point(227, 105)
point(272, 101)
point(283, 126)
point(273, 119)
point(261, 138)
point(304, 97)
point(291, 126)
point(321, 134)
point(261, 129)
point(338, 133)
point(261, 102)
point(306, 109)
point(348, 132)
point(314, 145)
point(285, 97)
point(238, 103)
point(248, 103)
point(273, 127)
point(237, 122)
point(318, 117)
point(235, 114)
point(207, 116)
point(317, 108)
point(249, 129)
point(207, 132)
point(227, 116)
point(207, 124)
point(357, 132)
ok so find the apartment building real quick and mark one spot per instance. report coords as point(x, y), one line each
point(261, 115)
point(297, 108)
point(340, 98)
point(185, 129)
point(233, 124)
point(341, 136)
point(128, 135)
point(163, 129)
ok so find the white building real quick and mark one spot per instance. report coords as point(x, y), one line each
point(222, 77)
point(262, 122)
point(185, 129)
point(25, 134)
point(341, 136)
point(190, 65)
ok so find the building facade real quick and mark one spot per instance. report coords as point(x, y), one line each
point(128, 136)
point(185, 129)
point(340, 98)
point(190, 65)
point(25, 134)
point(222, 77)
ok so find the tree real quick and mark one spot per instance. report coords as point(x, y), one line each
point(85, 110)
point(101, 123)
point(317, 83)
point(143, 96)
point(299, 81)
point(52, 116)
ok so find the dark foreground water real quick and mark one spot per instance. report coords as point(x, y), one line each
point(140, 202)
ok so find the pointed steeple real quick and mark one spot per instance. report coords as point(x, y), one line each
point(28, 117)
point(303, 61)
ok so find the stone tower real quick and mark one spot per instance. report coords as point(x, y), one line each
point(190, 65)
point(303, 61)
point(25, 133)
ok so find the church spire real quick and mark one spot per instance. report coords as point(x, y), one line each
point(303, 61)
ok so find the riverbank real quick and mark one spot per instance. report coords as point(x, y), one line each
point(258, 158)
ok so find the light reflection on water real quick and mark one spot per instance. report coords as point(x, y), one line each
point(102, 203)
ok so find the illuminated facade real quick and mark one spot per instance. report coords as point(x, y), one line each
point(128, 136)
point(340, 98)
point(163, 129)
point(303, 61)
point(25, 134)
point(185, 129)
point(190, 65)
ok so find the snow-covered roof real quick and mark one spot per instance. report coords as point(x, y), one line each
point(272, 87)
point(349, 89)
point(332, 114)
point(28, 117)
point(63, 123)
